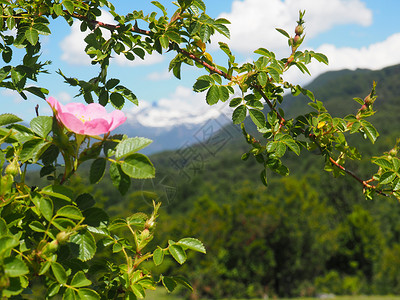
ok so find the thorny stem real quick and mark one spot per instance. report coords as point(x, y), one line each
point(213, 69)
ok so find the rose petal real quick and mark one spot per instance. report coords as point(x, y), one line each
point(71, 122)
point(118, 117)
point(96, 127)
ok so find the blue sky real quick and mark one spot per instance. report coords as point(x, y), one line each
point(352, 33)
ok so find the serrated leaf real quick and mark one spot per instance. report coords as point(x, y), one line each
point(177, 253)
point(14, 267)
point(41, 28)
point(42, 125)
point(119, 179)
point(258, 117)
point(59, 272)
point(69, 6)
point(32, 36)
point(262, 78)
point(97, 170)
point(283, 32)
point(138, 291)
point(192, 244)
point(117, 100)
point(86, 243)
point(53, 289)
point(239, 114)
point(293, 146)
point(6, 119)
point(111, 83)
point(45, 206)
point(37, 226)
point(7, 243)
point(70, 212)
point(88, 294)
point(387, 177)
point(168, 283)
point(212, 96)
point(158, 256)
point(130, 146)
point(222, 29)
point(382, 162)
point(369, 130)
point(80, 280)
point(58, 191)
point(138, 166)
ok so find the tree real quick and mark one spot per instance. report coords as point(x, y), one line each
point(49, 232)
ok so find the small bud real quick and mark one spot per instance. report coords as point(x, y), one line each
point(13, 168)
point(297, 40)
point(62, 237)
point(299, 30)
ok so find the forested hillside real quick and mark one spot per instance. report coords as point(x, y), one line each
point(304, 234)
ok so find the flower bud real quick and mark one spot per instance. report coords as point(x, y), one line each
point(62, 237)
point(299, 30)
point(13, 168)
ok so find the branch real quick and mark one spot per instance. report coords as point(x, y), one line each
point(363, 182)
point(213, 69)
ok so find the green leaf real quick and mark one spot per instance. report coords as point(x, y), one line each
point(138, 166)
point(59, 272)
point(192, 244)
point(222, 29)
point(85, 201)
point(63, 223)
point(70, 294)
point(177, 253)
point(212, 96)
point(86, 243)
point(158, 256)
point(58, 191)
point(111, 83)
point(71, 212)
point(387, 177)
point(119, 179)
point(88, 294)
point(262, 78)
point(292, 146)
point(97, 170)
point(80, 280)
point(14, 267)
point(3, 227)
point(37, 226)
point(239, 114)
point(168, 283)
point(7, 243)
point(117, 100)
point(164, 41)
point(138, 290)
point(53, 289)
point(45, 206)
point(40, 92)
point(383, 163)
point(69, 6)
point(205, 33)
point(369, 130)
point(130, 146)
point(183, 281)
point(6, 119)
point(263, 177)
point(283, 32)
point(235, 102)
point(32, 36)
point(42, 125)
point(202, 84)
point(41, 28)
point(258, 117)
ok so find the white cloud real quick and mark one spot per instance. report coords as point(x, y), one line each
point(164, 75)
point(181, 107)
point(254, 21)
point(375, 56)
point(73, 47)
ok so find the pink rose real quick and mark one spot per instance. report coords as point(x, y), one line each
point(91, 119)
